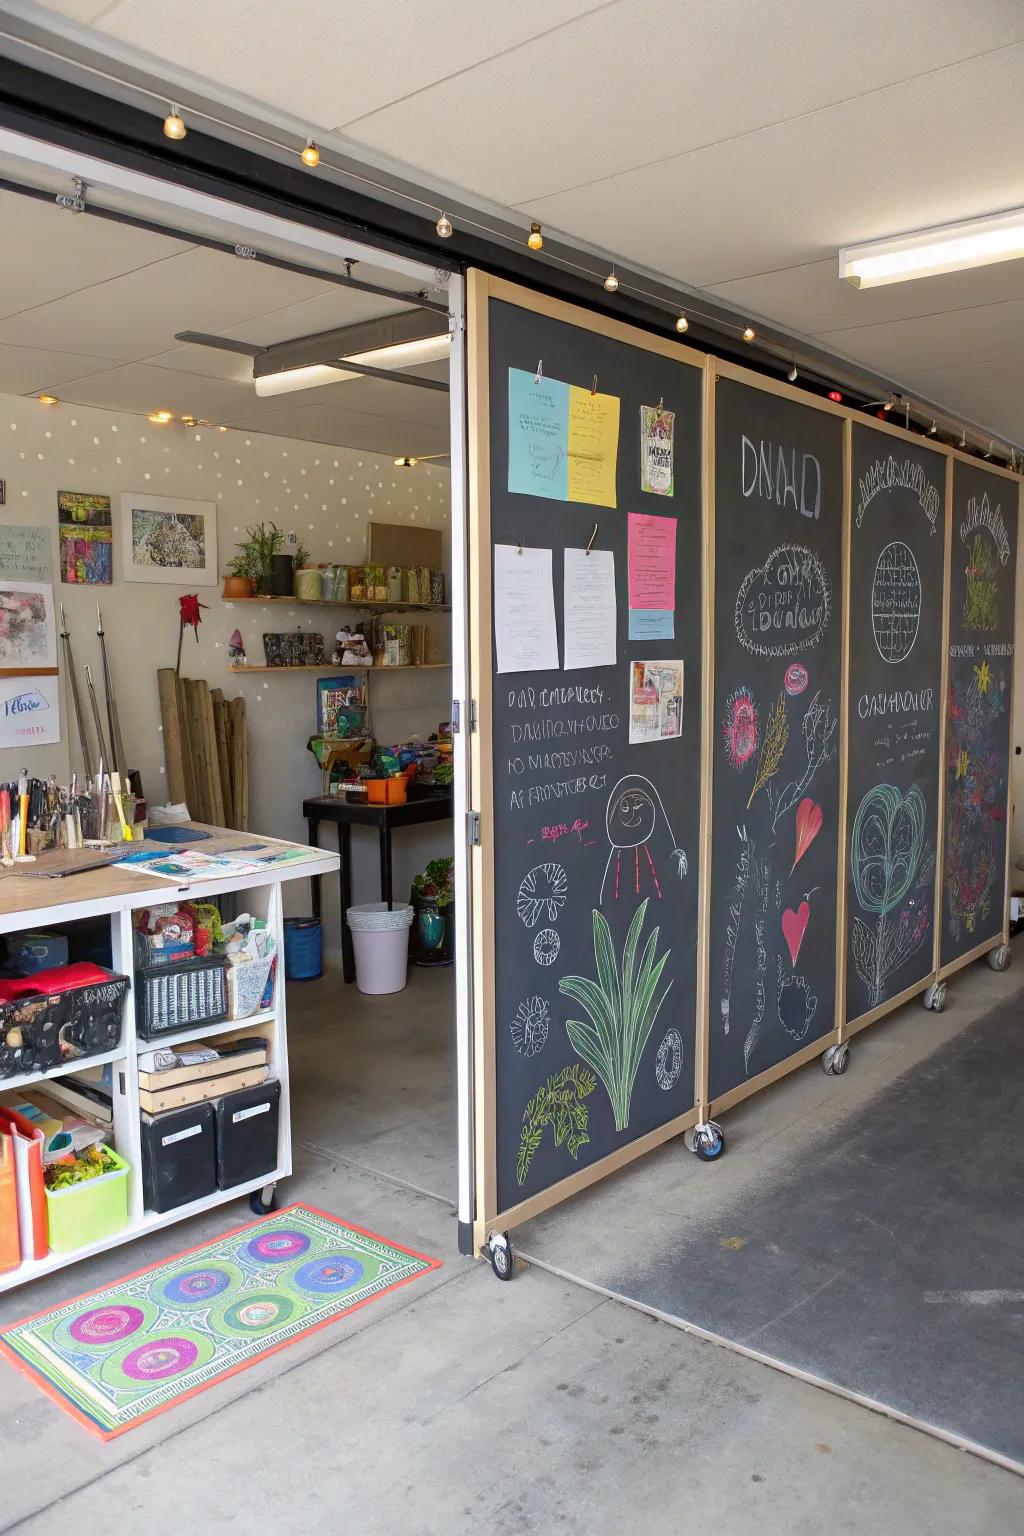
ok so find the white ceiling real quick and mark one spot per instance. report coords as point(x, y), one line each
point(89, 309)
point(731, 144)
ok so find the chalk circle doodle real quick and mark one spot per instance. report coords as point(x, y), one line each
point(546, 946)
point(796, 1004)
point(796, 679)
point(740, 728)
point(784, 605)
point(896, 602)
point(542, 894)
point(530, 1026)
point(669, 1062)
point(635, 814)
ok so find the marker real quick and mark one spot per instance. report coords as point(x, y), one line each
point(22, 811)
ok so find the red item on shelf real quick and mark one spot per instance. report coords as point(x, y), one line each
point(62, 978)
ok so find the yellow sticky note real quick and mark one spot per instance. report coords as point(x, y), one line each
point(593, 446)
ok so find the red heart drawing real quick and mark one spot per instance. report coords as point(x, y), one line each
point(794, 926)
point(808, 824)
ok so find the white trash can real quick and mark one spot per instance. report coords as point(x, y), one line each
point(381, 942)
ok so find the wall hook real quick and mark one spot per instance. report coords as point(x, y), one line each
point(540, 371)
point(593, 387)
point(590, 541)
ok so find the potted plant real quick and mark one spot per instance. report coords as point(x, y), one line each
point(433, 902)
point(254, 561)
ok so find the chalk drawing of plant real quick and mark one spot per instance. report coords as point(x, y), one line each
point(886, 860)
point(819, 728)
point(558, 1103)
point(622, 1009)
point(981, 600)
point(773, 744)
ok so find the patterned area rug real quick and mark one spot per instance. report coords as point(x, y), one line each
point(121, 1354)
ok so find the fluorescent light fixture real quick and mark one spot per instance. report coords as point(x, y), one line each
point(402, 354)
point(950, 248)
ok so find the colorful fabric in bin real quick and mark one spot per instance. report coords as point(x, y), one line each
point(133, 1349)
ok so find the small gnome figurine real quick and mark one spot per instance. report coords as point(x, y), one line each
point(236, 649)
point(353, 648)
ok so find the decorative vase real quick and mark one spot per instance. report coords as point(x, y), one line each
point(282, 575)
point(236, 586)
point(307, 584)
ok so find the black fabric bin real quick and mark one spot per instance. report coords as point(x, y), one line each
point(247, 1133)
point(178, 1163)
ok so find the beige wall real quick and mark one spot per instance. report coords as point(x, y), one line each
point(327, 495)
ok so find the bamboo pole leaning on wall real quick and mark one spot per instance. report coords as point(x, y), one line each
point(205, 750)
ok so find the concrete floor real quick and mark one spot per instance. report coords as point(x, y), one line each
point(537, 1406)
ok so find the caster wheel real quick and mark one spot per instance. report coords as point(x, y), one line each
point(262, 1201)
point(836, 1060)
point(707, 1142)
point(935, 997)
point(503, 1260)
point(999, 959)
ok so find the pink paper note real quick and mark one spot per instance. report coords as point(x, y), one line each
point(652, 561)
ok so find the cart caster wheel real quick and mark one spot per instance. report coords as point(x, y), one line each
point(935, 997)
point(836, 1060)
point(503, 1260)
point(999, 959)
point(706, 1141)
point(262, 1201)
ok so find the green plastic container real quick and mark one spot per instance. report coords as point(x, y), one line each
point(88, 1211)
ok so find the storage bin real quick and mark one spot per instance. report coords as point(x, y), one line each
point(57, 1016)
point(303, 948)
point(246, 1132)
point(86, 1212)
point(247, 984)
point(380, 938)
point(178, 1157)
point(173, 997)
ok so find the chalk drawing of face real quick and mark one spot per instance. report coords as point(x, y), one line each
point(630, 817)
point(635, 813)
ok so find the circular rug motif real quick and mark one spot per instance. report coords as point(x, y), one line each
point(191, 1287)
point(106, 1325)
point(256, 1312)
point(326, 1276)
point(277, 1247)
point(159, 1358)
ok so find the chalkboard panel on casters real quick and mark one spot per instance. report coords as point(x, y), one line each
point(775, 768)
point(979, 704)
point(595, 742)
point(897, 567)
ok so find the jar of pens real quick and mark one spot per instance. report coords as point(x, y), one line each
point(38, 816)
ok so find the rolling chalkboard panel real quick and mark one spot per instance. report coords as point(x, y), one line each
point(979, 704)
point(593, 837)
point(775, 768)
point(897, 562)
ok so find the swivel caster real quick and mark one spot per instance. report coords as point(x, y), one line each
point(503, 1259)
point(999, 959)
point(262, 1201)
point(706, 1141)
point(835, 1060)
point(935, 997)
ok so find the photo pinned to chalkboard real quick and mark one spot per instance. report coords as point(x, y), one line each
point(655, 701)
point(657, 450)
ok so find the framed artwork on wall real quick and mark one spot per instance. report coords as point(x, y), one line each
point(164, 538)
point(86, 538)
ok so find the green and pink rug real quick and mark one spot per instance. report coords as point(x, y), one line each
point(121, 1354)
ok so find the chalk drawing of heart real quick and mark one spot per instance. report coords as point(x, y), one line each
point(794, 926)
point(809, 817)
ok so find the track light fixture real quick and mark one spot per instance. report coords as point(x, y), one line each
point(174, 126)
point(444, 227)
point(311, 155)
point(991, 446)
point(682, 324)
point(536, 238)
point(611, 282)
point(794, 373)
point(749, 333)
point(933, 430)
point(963, 439)
point(73, 202)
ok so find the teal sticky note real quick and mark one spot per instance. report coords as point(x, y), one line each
point(651, 624)
point(538, 436)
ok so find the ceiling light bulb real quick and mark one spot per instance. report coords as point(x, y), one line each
point(536, 238)
point(444, 227)
point(311, 155)
point(963, 438)
point(889, 404)
point(749, 333)
point(222, 429)
point(405, 462)
point(793, 374)
point(48, 400)
point(933, 430)
point(836, 396)
point(611, 282)
point(682, 324)
point(161, 418)
point(991, 447)
point(174, 127)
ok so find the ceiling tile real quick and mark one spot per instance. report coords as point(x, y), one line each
point(906, 347)
point(348, 429)
point(136, 387)
point(27, 371)
point(987, 393)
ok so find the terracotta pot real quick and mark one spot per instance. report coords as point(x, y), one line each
point(237, 586)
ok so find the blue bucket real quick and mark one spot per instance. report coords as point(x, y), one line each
point(303, 948)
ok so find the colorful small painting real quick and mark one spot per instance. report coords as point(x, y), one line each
point(167, 539)
point(28, 639)
point(86, 538)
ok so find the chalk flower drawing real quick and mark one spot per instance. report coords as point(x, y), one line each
point(542, 894)
point(887, 862)
point(795, 1004)
point(976, 799)
point(740, 728)
point(981, 599)
point(634, 815)
point(622, 1009)
point(558, 1103)
point(776, 734)
point(819, 729)
point(546, 946)
point(530, 1026)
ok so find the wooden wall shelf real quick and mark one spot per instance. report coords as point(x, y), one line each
point(373, 604)
point(341, 666)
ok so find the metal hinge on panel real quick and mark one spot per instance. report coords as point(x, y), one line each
point(473, 828)
point(472, 716)
point(456, 716)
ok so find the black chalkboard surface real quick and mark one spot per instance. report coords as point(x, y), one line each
point(775, 771)
point(595, 840)
point(980, 700)
point(897, 560)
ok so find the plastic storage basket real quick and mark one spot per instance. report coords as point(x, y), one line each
point(173, 997)
point(247, 984)
point(86, 1212)
point(60, 1016)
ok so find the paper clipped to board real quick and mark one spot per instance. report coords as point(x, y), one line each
point(589, 614)
point(525, 636)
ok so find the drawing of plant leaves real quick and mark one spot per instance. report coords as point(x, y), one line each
point(557, 1103)
point(886, 853)
point(622, 1009)
point(773, 744)
point(819, 727)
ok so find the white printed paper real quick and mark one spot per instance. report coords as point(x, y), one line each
point(524, 610)
point(589, 592)
point(29, 711)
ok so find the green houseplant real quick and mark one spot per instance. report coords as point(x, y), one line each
point(255, 556)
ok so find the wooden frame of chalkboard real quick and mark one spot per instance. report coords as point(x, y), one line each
point(489, 299)
point(1000, 935)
